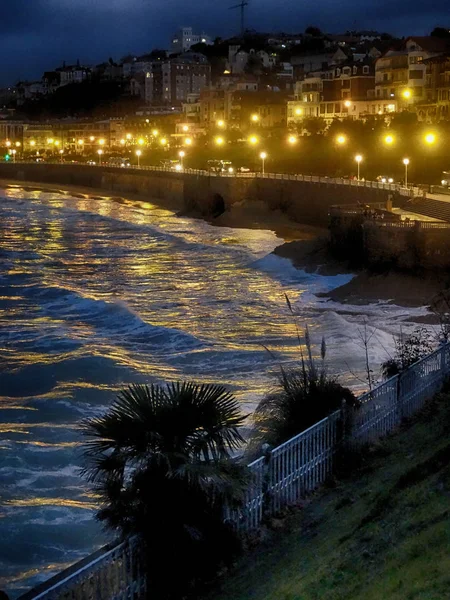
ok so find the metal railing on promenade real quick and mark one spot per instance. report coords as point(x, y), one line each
point(393, 187)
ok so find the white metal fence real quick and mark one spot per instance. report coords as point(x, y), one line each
point(393, 187)
point(279, 479)
point(305, 461)
point(115, 574)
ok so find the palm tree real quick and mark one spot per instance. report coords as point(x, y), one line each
point(160, 461)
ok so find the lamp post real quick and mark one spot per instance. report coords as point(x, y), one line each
point(61, 152)
point(181, 154)
point(263, 157)
point(100, 152)
point(406, 163)
point(14, 152)
point(138, 154)
point(358, 159)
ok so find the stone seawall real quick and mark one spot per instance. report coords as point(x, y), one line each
point(304, 202)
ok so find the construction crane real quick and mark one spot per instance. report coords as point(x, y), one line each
point(242, 6)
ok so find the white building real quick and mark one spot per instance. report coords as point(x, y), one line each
point(184, 38)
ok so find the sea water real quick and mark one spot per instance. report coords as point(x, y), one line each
point(97, 293)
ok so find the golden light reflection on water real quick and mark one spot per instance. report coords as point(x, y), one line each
point(102, 293)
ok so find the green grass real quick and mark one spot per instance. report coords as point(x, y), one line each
point(382, 534)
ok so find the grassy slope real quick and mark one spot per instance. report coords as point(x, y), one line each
point(383, 534)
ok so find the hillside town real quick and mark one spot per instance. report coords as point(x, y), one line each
point(279, 80)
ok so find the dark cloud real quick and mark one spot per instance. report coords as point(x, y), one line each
point(36, 35)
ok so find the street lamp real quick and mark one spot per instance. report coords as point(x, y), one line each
point(430, 138)
point(406, 94)
point(8, 144)
point(141, 141)
point(163, 141)
point(406, 163)
point(298, 111)
point(122, 141)
point(128, 136)
point(181, 154)
point(255, 118)
point(101, 142)
point(341, 139)
point(292, 139)
point(358, 159)
point(91, 138)
point(100, 152)
point(138, 154)
point(188, 141)
point(253, 140)
point(219, 141)
point(14, 152)
point(61, 152)
point(263, 157)
point(389, 139)
point(32, 143)
point(155, 133)
point(347, 103)
point(185, 128)
point(221, 123)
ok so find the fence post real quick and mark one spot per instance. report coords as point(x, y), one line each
point(400, 410)
point(265, 487)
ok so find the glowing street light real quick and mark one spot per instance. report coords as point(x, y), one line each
point(155, 133)
point(341, 139)
point(32, 143)
point(14, 152)
point(358, 159)
point(128, 136)
point(430, 138)
point(221, 123)
point(185, 128)
point(100, 152)
point(389, 139)
point(292, 139)
point(80, 142)
point(8, 144)
point(347, 103)
point(141, 141)
point(263, 157)
point(18, 144)
point(219, 141)
point(123, 142)
point(57, 142)
point(188, 141)
point(61, 152)
point(50, 141)
point(406, 94)
point(163, 141)
point(91, 138)
point(181, 154)
point(255, 118)
point(298, 111)
point(138, 154)
point(178, 167)
point(406, 163)
point(101, 141)
point(253, 140)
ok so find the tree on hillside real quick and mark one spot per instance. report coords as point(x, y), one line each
point(313, 125)
point(159, 460)
point(441, 32)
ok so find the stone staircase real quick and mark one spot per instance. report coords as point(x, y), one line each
point(437, 209)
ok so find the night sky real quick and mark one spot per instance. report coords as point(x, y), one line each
point(37, 35)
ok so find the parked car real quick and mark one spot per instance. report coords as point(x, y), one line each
point(385, 179)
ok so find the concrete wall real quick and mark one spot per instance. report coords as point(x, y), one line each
point(303, 201)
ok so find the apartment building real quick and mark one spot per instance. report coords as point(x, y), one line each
point(171, 81)
point(401, 73)
point(184, 38)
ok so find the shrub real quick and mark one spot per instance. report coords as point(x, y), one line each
point(408, 350)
